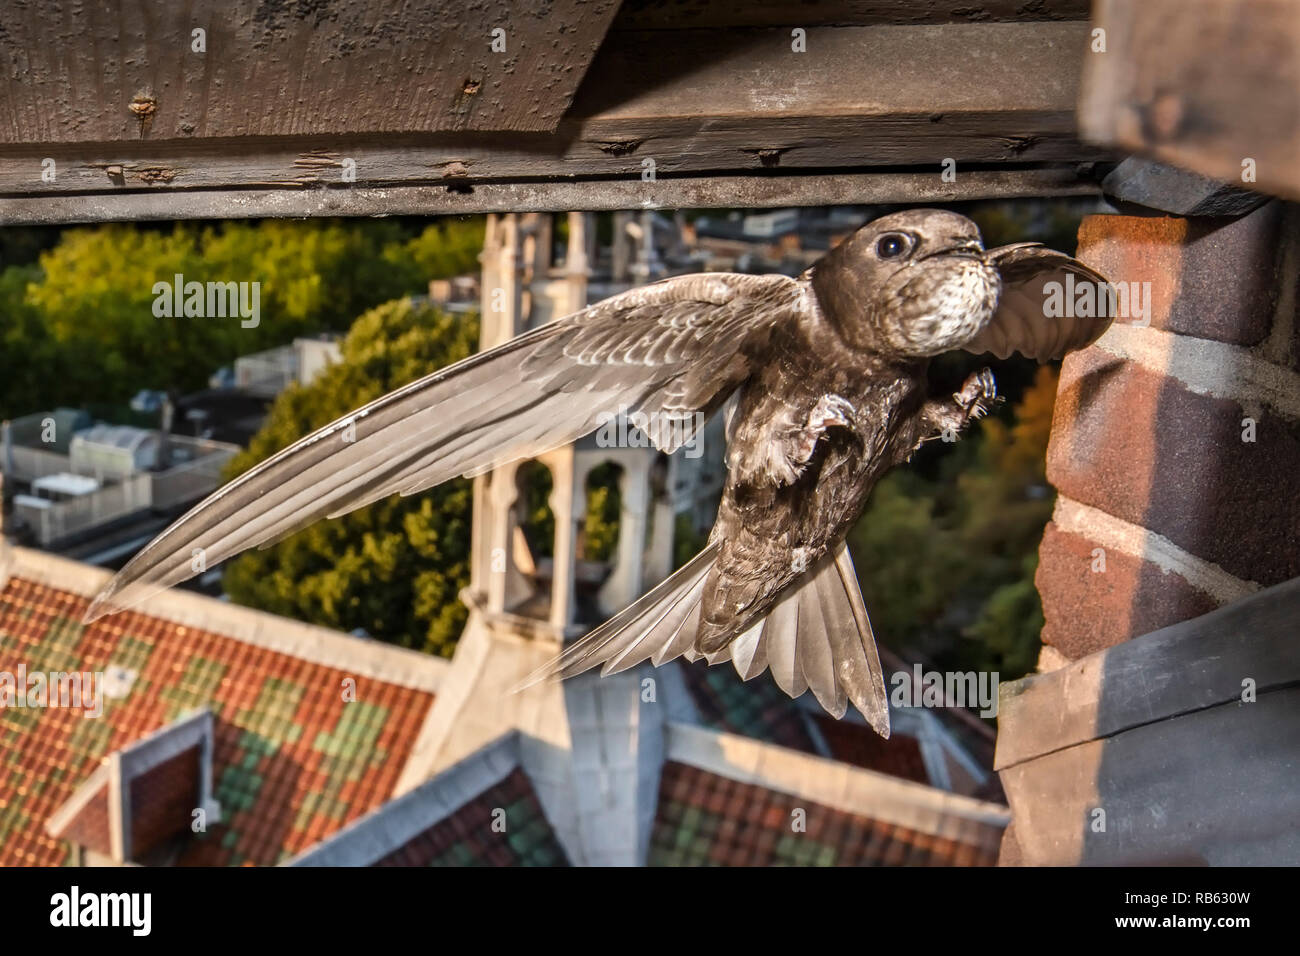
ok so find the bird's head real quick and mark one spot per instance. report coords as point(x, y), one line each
point(912, 283)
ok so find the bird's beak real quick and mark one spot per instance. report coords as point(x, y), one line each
point(969, 248)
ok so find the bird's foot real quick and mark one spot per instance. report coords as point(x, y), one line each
point(979, 393)
point(831, 411)
point(787, 456)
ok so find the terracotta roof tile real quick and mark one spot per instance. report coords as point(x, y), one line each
point(756, 829)
point(292, 761)
point(858, 744)
point(468, 838)
point(755, 708)
point(760, 710)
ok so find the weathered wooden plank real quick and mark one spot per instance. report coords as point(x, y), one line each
point(1007, 68)
point(592, 149)
point(680, 14)
point(129, 70)
point(842, 106)
point(1176, 670)
point(630, 193)
point(1207, 89)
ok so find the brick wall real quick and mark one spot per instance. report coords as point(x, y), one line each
point(1165, 510)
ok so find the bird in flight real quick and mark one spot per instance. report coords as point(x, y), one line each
point(824, 382)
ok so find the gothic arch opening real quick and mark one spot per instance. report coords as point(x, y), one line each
point(598, 539)
point(533, 547)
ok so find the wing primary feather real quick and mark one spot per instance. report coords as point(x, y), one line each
point(816, 657)
point(658, 635)
point(656, 604)
point(682, 640)
point(866, 688)
point(684, 339)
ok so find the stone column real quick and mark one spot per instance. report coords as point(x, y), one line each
point(621, 248)
point(501, 296)
point(624, 583)
point(498, 528)
point(577, 265)
point(659, 555)
point(567, 505)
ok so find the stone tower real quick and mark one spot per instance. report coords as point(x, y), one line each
point(591, 745)
point(528, 280)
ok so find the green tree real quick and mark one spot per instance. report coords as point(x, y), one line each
point(392, 569)
point(27, 352)
point(93, 296)
point(600, 526)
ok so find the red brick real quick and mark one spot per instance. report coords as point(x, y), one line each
point(1087, 611)
point(1214, 279)
point(1141, 447)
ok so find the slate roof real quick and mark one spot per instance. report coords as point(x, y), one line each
point(292, 762)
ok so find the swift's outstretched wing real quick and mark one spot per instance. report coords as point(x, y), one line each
point(1021, 323)
point(674, 347)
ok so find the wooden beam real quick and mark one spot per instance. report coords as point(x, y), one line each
point(1207, 88)
point(739, 104)
point(997, 92)
point(680, 193)
point(680, 14)
point(130, 71)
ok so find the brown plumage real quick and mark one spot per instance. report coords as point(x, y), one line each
point(827, 375)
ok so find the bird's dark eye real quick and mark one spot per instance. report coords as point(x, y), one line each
point(891, 245)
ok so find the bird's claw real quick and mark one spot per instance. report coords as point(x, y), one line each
point(978, 394)
point(831, 411)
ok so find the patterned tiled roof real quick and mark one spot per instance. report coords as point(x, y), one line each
point(293, 761)
point(470, 836)
point(706, 819)
point(856, 743)
point(756, 708)
point(760, 710)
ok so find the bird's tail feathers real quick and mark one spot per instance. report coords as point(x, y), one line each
point(817, 636)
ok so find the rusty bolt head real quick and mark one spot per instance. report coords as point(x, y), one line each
point(143, 106)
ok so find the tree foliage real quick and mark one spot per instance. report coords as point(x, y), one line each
point(79, 327)
point(392, 569)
